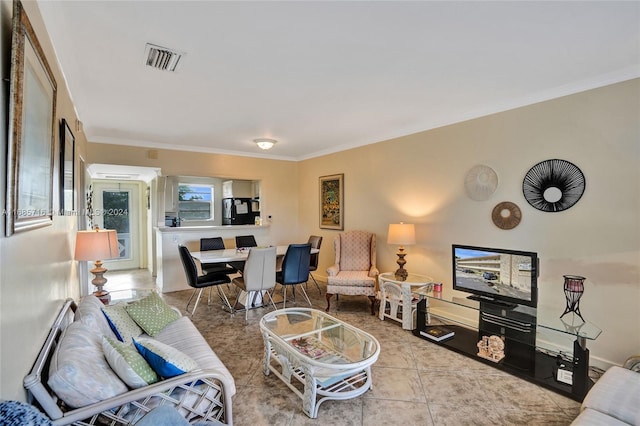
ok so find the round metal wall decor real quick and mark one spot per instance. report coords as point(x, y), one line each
point(553, 185)
point(506, 215)
point(480, 182)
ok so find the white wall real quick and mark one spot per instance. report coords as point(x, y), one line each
point(420, 179)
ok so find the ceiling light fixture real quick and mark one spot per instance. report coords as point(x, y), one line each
point(265, 143)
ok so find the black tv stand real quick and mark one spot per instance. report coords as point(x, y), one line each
point(517, 326)
point(491, 300)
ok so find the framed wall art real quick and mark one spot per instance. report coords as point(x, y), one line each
point(32, 109)
point(332, 202)
point(67, 169)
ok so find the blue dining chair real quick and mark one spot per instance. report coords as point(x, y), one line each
point(295, 270)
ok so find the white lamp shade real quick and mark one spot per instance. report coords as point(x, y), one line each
point(403, 234)
point(97, 245)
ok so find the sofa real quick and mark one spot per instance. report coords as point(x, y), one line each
point(114, 364)
point(614, 399)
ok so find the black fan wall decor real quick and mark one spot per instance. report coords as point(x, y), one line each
point(553, 185)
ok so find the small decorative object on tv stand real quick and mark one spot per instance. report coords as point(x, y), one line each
point(573, 290)
point(491, 348)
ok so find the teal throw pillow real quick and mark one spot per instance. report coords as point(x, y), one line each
point(152, 314)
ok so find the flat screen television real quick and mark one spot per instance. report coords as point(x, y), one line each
point(501, 276)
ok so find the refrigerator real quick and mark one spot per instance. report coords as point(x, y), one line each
point(238, 211)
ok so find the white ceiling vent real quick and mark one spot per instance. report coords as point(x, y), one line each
point(161, 58)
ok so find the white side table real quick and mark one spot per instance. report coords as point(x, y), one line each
point(399, 294)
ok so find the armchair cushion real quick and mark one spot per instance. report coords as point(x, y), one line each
point(357, 251)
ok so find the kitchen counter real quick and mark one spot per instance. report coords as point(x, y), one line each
point(208, 227)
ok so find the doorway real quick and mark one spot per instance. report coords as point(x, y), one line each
point(117, 206)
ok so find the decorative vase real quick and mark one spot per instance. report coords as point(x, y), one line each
point(573, 289)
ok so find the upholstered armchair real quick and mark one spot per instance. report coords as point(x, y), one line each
point(354, 272)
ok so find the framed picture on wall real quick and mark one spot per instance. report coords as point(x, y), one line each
point(332, 202)
point(32, 111)
point(67, 172)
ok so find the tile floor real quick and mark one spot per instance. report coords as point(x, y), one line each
point(416, 382)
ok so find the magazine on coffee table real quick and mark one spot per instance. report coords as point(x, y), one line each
point(310, 346)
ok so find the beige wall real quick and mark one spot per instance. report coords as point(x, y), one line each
point(279, 180)
point(420, 179)
point(36, 268)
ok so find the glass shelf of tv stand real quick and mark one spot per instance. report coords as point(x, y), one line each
point(547, 318)
point(570, 324)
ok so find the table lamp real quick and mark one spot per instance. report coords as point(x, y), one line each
point(403, 234)
point(97, 245)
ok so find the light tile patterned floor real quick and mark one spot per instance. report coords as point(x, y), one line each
point(416, 382)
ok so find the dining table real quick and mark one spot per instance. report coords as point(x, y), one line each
point(234, 255)
point(238, 255)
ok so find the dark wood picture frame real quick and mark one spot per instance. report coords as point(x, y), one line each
point(332, 202)
point(67, 169)
point(32, 112)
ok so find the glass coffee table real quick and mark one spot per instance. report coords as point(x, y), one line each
point(328, 358)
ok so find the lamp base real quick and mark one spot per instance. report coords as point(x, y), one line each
point(99, 281)
point(401, 273)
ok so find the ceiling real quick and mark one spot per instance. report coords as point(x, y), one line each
point(321, 77)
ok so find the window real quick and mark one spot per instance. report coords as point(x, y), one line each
point(195, 201)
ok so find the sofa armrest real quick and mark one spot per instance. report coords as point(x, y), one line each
point(203, 395)
point(617, 394)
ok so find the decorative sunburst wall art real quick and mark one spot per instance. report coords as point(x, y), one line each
point(480, 182)
point(506, 215)
point(553, 185)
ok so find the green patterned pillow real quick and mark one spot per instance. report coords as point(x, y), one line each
point(152, 313)
point(128, 364)
point(123, 326)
